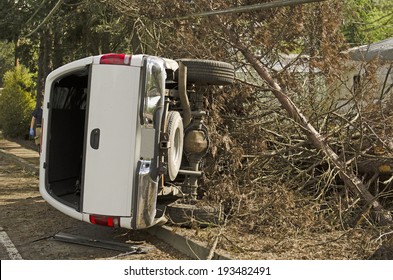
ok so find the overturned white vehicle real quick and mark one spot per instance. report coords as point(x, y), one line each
point(123, 137)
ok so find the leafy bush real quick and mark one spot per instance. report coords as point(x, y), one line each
point(16, 102)
point(6, 58)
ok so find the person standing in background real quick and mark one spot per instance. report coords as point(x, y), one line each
point(36, 123)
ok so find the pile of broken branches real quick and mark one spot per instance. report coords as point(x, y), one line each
point(264, 157)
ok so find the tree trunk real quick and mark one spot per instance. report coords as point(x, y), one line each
point(16, 50)
point(44, 62)
point(57, 48)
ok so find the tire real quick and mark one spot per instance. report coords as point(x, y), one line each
point(176, 139)
point(187, 214)
point(208, 72)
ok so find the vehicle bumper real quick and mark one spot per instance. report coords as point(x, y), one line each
point(145, 203)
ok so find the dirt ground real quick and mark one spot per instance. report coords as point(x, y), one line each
point(357, 244)
point(31, 224)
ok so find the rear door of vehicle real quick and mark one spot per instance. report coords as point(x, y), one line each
point(110, 156)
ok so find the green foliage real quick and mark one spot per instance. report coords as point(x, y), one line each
point(6, 58)
point(11, 13)
point(16, 102)
point(368, 21)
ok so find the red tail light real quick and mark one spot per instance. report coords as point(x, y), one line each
point(114, 58)
point(104, 220)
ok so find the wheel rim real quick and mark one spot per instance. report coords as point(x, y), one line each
point(175, 152)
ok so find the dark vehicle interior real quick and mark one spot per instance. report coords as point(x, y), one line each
point(67, 117)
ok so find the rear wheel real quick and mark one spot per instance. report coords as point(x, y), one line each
point(208, 72)
point(176, 138)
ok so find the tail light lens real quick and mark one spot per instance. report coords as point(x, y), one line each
point(114, 58)
point(108, 221)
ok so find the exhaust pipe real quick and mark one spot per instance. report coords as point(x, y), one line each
point(183, 94)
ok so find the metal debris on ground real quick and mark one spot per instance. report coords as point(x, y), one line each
point(104, 244)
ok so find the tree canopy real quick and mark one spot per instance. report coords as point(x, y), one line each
point(49, 33)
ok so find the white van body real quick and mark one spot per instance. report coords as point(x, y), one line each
point(113, 131)
point(94, 166)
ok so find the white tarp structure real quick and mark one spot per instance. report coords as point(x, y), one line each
point(382, 50)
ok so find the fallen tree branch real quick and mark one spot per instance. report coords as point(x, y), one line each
point(350, 179)
point(213, 248)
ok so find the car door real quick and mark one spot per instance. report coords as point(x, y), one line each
point(110, 156)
